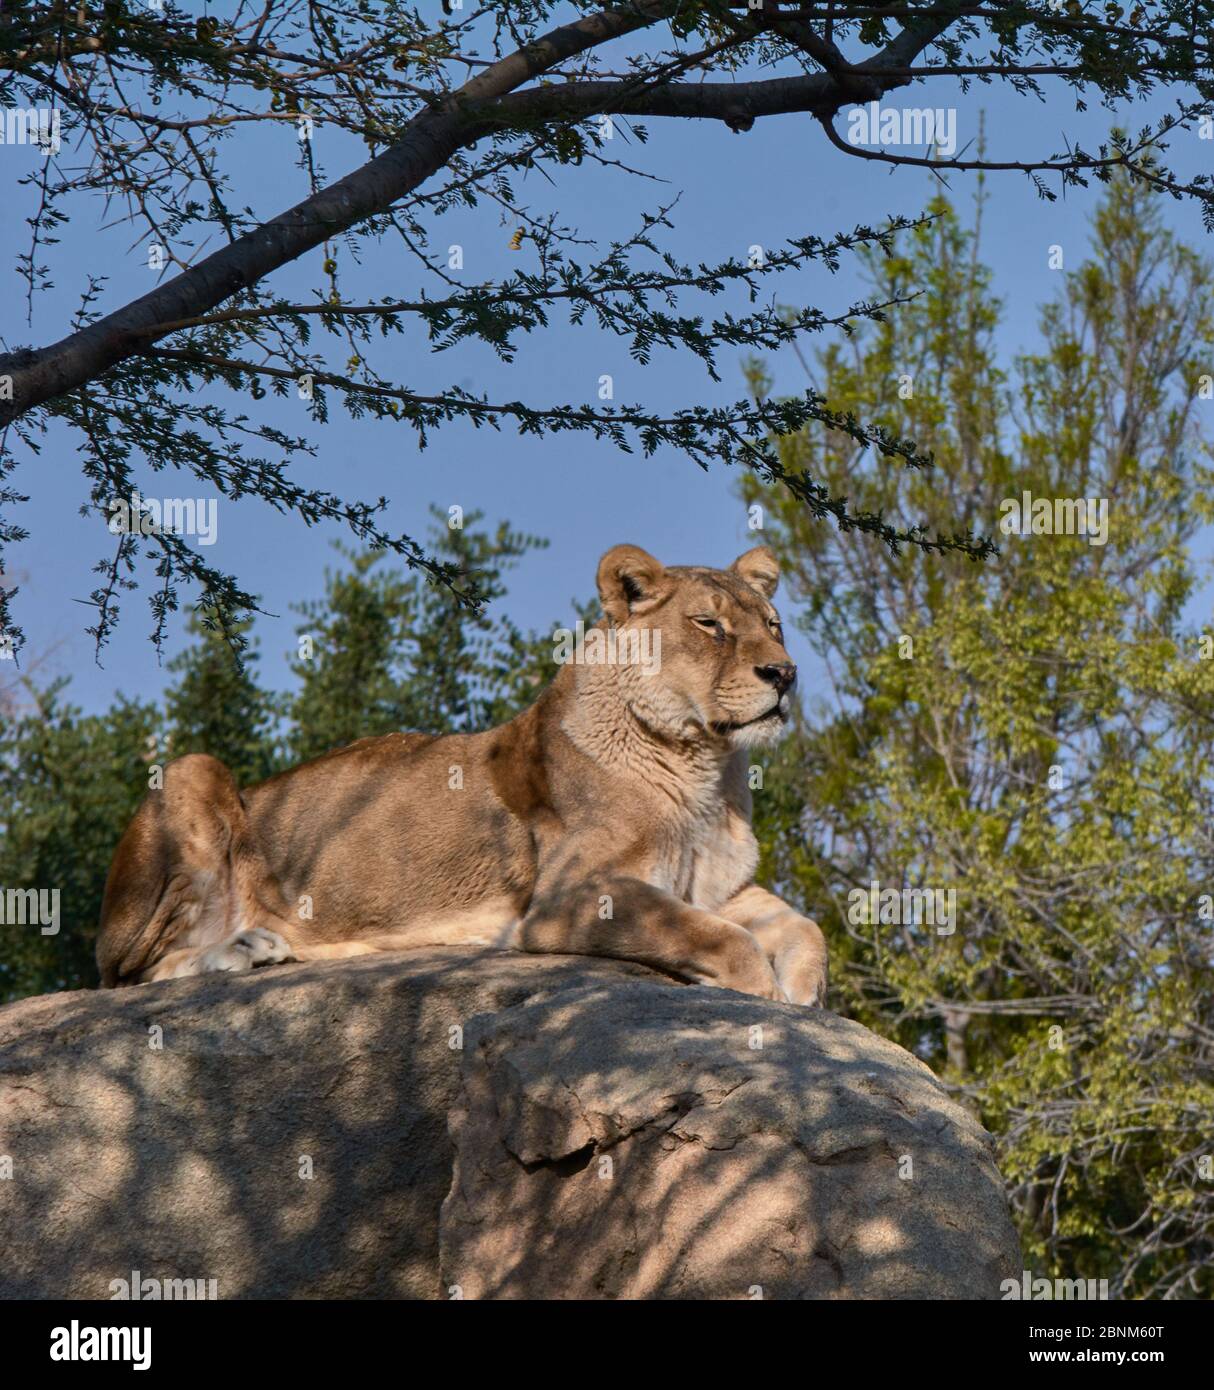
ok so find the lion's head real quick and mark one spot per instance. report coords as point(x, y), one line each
point(718, 670)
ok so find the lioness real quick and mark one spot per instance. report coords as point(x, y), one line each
point(612, 818)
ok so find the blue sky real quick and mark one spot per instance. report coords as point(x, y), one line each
point(781, 179)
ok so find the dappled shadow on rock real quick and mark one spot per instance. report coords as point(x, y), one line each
point(454, 1122)
point(617, 1141)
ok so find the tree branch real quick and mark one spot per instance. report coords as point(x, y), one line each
point(487, 103)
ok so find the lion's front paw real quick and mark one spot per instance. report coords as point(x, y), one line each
point(802, 974)
point(808, 988)
point(736, 961)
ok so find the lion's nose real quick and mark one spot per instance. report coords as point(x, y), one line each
point(781, 675)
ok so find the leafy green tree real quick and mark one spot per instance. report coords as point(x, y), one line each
point(216, 706)
point(385, 650)
point(68, 785)
point(348, 657)
point(1034, 734)
point(466, 666)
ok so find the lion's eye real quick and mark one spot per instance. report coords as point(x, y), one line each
point(708, 623)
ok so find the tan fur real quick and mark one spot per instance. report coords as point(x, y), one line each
point(611, 818)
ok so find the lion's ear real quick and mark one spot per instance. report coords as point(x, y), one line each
point(629, 578)
point(759, 568)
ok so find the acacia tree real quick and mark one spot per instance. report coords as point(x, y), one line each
point(452, 105)
point(1034, 734)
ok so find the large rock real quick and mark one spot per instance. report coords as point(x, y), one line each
point(454, 1122)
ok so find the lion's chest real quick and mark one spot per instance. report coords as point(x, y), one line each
point(708, 858)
